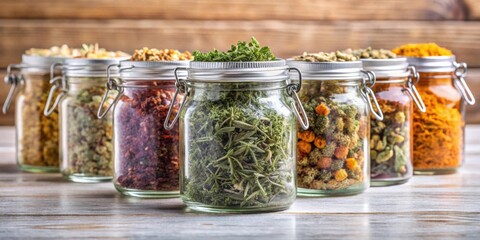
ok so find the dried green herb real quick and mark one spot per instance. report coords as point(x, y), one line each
point(370, 53)
point(240, 151)
point(389, 142)
point(89, 139)
point(242, 52)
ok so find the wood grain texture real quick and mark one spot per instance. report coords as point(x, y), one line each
point(238, 9)
point(45, 206)
point(286, 38)
point(473, 112)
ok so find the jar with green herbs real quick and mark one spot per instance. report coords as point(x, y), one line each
point(36, 135)
point(146, 154)
point(237, 131)
point(85, 141)
point(391, 138)
point(333, 153)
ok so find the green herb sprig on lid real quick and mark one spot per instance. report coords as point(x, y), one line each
point(242, 52)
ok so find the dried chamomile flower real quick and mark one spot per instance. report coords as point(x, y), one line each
point(93, 51)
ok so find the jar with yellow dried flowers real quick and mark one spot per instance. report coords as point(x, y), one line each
point(37, 136)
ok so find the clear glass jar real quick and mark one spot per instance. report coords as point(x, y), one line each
point(333, 154)
point(391, 138)
point(36, 135)
point(146, 154)
point(438, 134)
point(237, 137)
point(86, 141)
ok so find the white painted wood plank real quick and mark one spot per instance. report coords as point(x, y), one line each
point(44, 205)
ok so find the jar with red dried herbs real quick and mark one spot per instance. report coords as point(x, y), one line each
point(146, 154)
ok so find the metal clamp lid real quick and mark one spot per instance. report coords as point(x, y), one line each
point(158, 70)
point(47, 111)
point(11, 79)
point(460, 73)
point(181, 87)
point(368, 94)
point(412, 90)
point(260, 71)
point(328, 70)
point(112, 84)
point(292, 90)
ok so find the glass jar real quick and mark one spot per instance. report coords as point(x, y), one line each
point(333, 154)
point(86, 141)
point(237, 136)
point(36, 135)
point(391, 139)
point(438, 134)
point(146, 154)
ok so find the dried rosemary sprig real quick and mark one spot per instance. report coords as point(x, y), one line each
point(242, 52)
point(240, 152)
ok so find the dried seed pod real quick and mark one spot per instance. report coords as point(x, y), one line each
point(370, 53)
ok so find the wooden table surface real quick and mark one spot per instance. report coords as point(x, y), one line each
point(430, 207)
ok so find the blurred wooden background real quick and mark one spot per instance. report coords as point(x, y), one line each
point(288, 26)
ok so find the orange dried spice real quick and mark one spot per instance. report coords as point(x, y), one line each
point(324, 163)
point(304, 147)
point(320, 142)
point(421, 50)
point(322, 109)
point(351, 163)
point(438, 133)
point(341, 152)
point(307, 136)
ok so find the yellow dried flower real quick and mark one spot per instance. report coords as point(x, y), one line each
point(341, 175)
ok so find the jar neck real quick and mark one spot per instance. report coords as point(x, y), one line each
point(332, 87)
point(149, 87)
point(435, 78)
point(214, 91)
point(385, 83)
point(75, 84)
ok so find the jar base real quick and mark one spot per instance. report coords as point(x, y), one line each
point(353, 190)
point(443, 171)
point(146, 193)
point(82, 178)
point(199, 207)
point(387, 182)
point(38, 169)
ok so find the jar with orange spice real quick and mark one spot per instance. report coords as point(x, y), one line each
point(391, 138)
point(439, 133)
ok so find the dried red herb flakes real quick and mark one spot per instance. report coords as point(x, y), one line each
point(147, 154)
